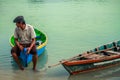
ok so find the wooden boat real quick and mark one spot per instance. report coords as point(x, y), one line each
point(41, 42)
point(101, 57)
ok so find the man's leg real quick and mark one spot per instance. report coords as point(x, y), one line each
point(15, 57)
point(14, 52)
point(35, 58)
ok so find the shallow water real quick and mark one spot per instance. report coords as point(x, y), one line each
point(72, 27)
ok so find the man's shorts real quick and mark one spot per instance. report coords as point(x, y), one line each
point(16, 49)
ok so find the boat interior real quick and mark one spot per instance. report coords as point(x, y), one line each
point(104, 51)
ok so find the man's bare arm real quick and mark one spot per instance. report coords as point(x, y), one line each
point(18, 44)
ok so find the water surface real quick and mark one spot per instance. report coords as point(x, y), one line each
point(72, 27)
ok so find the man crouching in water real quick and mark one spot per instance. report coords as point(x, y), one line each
point(24, 35)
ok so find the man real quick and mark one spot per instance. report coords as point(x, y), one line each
point(24, 35)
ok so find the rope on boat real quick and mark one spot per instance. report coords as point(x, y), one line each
point(62, 61)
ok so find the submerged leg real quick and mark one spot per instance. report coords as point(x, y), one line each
point(34, 59)
point(14, 55)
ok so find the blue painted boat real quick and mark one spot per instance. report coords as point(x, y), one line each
point(41, 42)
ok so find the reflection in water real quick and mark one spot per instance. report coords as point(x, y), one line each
point(28, 73)
point(41, 1)
point(42, 60)
point(103, 74)
point(37, 0)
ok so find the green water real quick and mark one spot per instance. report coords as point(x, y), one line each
point(72, 27)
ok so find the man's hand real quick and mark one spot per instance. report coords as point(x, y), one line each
point(21, 47)
point(28, 50)
point(18, 44)
point(32, 44)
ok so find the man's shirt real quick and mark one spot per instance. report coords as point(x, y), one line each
point(25, 36)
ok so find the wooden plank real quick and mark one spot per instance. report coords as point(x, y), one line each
point(113, 52)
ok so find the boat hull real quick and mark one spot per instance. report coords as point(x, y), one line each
point(75, 69)
point(99, 58)
point(39, 52)
point(26, 59)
